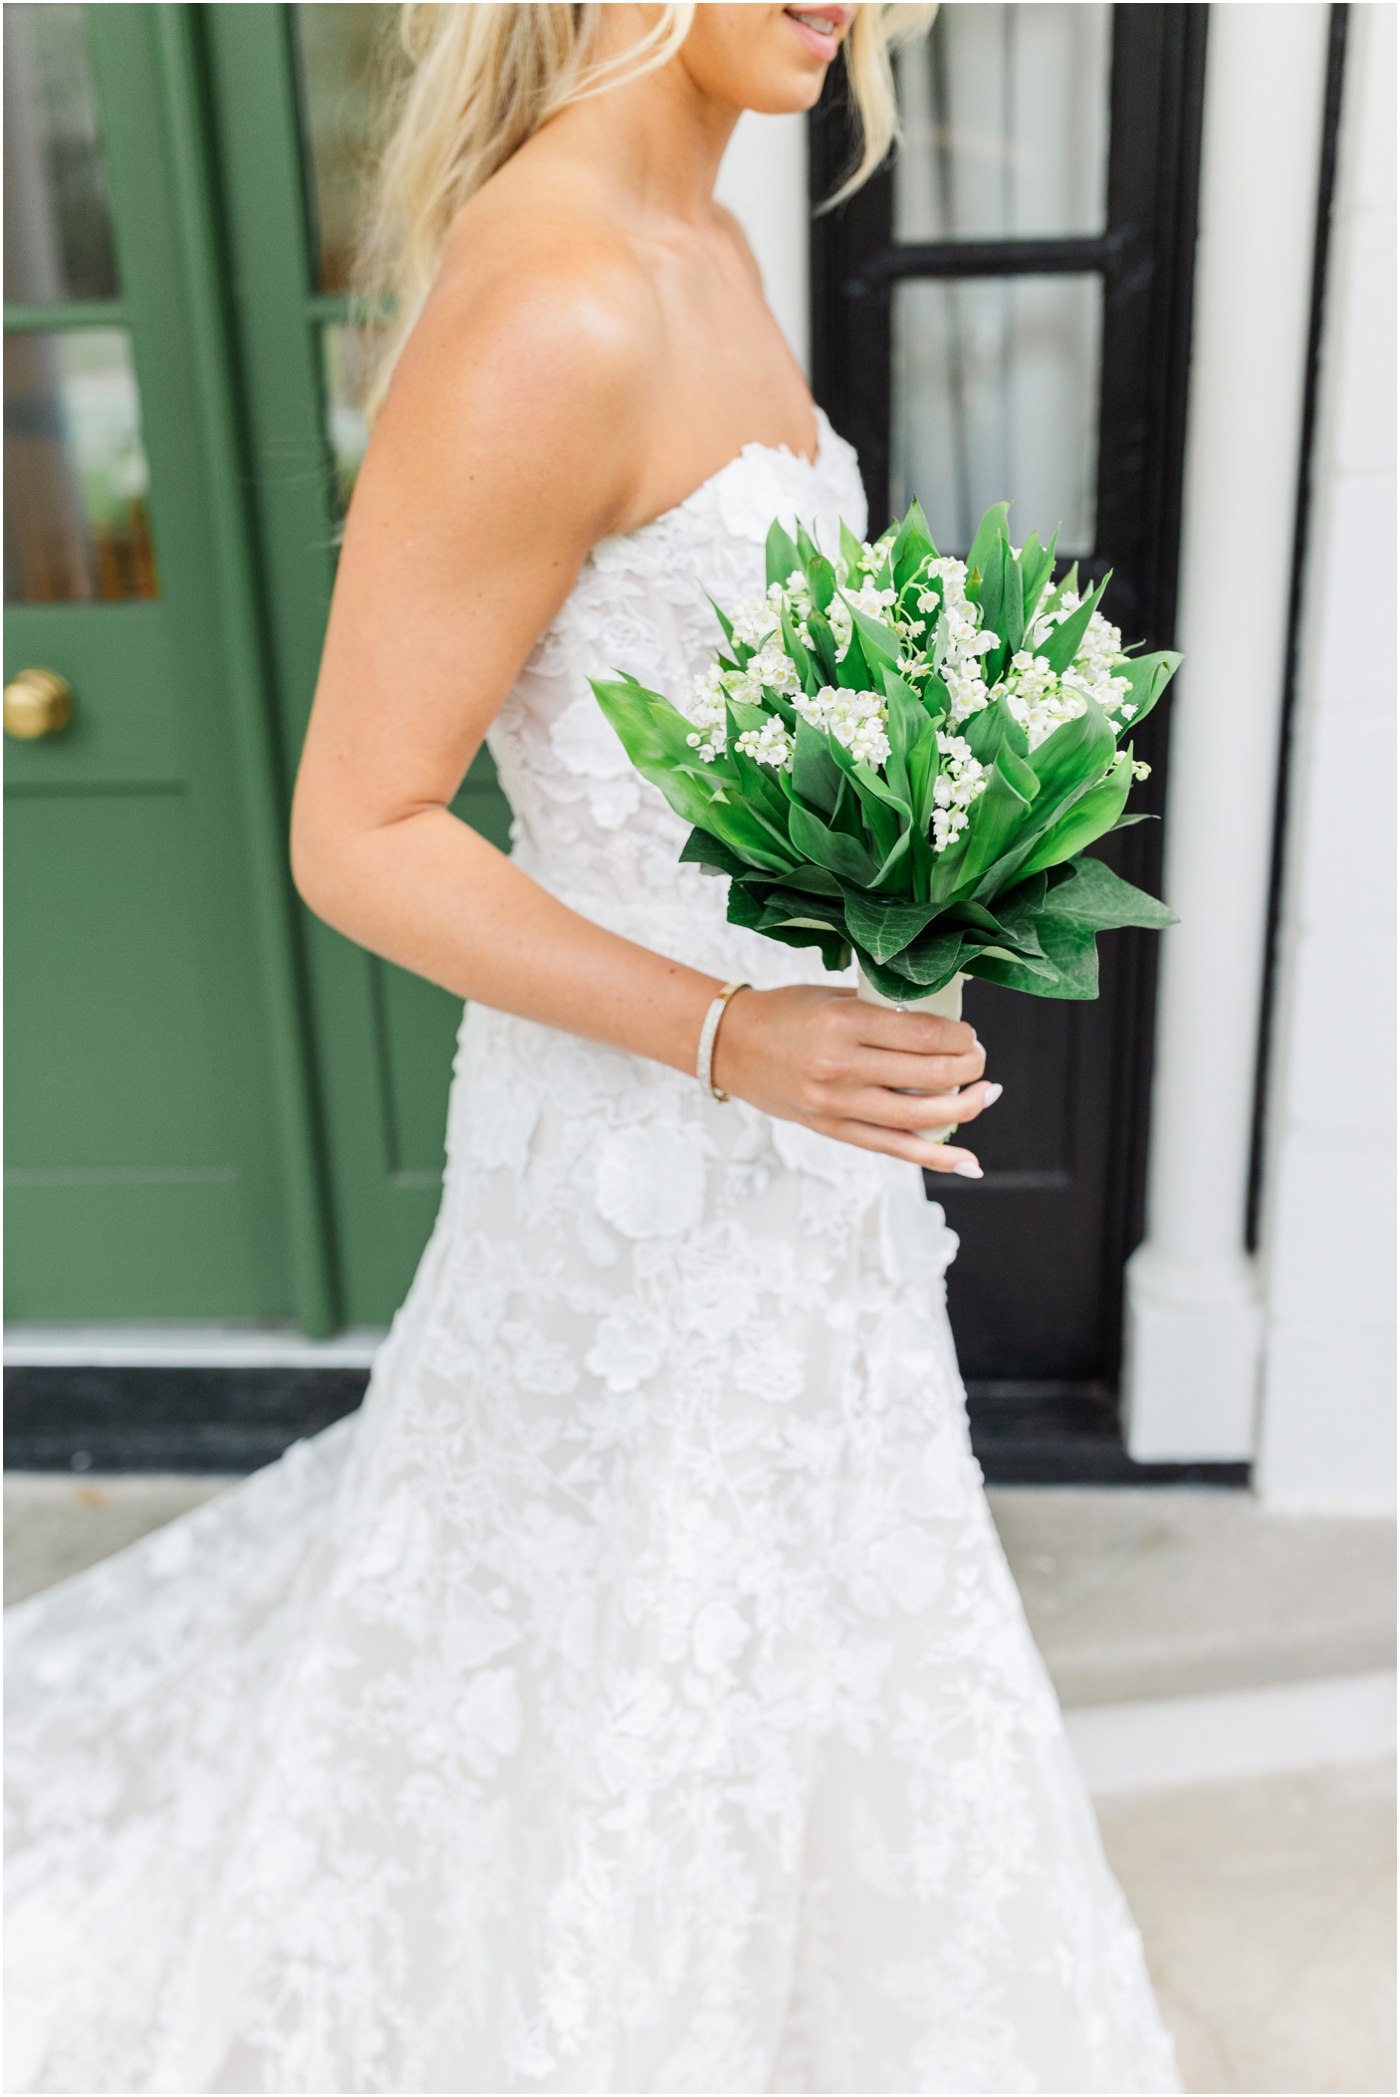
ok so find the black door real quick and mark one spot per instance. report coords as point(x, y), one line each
point(1006, 312)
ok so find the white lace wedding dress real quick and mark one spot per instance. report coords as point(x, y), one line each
point(633, 1696)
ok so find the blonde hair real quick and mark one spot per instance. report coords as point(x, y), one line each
point(486, 77)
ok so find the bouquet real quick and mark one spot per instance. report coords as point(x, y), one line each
point(902, 757)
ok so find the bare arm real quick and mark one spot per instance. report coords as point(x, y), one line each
point(517, 433)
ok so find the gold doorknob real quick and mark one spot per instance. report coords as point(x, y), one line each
point(37, 703)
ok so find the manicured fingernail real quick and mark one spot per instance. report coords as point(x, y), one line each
point(991, 1095)
point(968, 1170)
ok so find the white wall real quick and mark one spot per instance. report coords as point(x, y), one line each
point(1327, 1428)
point(763, 181)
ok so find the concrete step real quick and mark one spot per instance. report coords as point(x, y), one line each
point(1181, 1592)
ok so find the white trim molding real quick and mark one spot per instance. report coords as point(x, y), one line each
point(1194, 1316)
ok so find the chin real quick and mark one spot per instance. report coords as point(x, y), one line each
point(770, 59)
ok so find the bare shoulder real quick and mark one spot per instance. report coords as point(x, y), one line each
point(538, 352)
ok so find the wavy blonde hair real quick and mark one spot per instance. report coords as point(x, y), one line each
point(481, 80)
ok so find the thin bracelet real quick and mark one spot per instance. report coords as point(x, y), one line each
point(704, 1055)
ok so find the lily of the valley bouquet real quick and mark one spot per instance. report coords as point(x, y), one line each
point(904, 756)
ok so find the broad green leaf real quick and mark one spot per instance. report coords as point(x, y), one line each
point(1075, 757)
point(1070, 956)
point(821, 581)
point(1089, 817)
point(853, 671)
point(991, 535)
point(852, 552)
point(780, 555)
point(654, 735)
point(1148, 677)
point(1097, 898)
point(746, 910)
point(813, 881)
point(879, 644)
point(1037, 562)
point(744, 830)
point(823, 645)
point(992, 729)
point(1012, 625)
point(912, 546)
point(815, 773)
point(701, 849)
point(806, 667)
point(933, 959)
point(828, 848)
point(1057, 649)
point(883, 928)
point(997, 813)
point(1014, 767)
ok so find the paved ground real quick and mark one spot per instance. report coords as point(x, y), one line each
point(1267, 1905)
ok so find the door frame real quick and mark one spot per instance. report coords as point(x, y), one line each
point(1145, 258)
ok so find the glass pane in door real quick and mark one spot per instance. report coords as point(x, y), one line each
point(350, 62)
point(77, 526)
point(58, 227)
point(1005, 112)
point(996, 391)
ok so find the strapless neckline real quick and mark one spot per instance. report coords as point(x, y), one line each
point(826, 440)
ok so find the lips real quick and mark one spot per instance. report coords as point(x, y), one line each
point(819, 28)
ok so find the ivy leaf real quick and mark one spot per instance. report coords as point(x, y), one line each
point(1097, 899)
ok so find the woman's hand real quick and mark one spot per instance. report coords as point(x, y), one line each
point(846, 1069)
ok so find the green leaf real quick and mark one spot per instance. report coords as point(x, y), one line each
point(780, 554)
point(1078, 754)
point(701, 849)
point(1037, 563)
point(821, 581)
point(997, 814)
point(879, 644)
point(1148, 677)
point(912, 545)
point(992, 534)
point(815, 774)
point(1070, 968)
point(1059, 645)
point(806, 668)
point(1090, 816)
point(1013, 620)
point(1014, 767)
point(994, 728)
point(828, 848)
point(726, 625)
point(654, 735)
point(1097, 898)
point(823, 645)
point(933, 959)
point(852, 552)
point(747, 910)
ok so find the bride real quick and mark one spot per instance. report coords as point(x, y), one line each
point(634, 1696)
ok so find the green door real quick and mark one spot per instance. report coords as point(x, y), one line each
point(161, 1156)
point(299, 93)
point(217, 1107)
